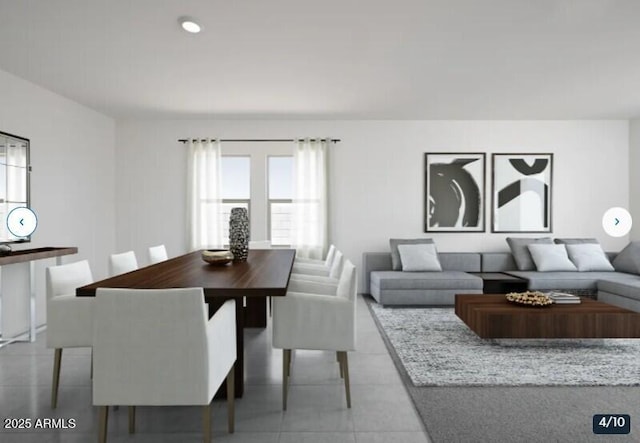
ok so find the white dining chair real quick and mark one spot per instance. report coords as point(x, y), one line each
point(157, 348)
point(320, 320)
point(260, 244)
point(157, 254)
point(310, 261)
point(332, 276)
point(122, 263)
point(69, 318)
point(323, 269)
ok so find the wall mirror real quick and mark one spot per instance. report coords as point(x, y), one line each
point(15, 171)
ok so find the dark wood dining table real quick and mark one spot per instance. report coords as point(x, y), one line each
point(265, 274)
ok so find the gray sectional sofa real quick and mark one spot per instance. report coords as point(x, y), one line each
point(439, 288)
point(568, 281)
point(390, 287)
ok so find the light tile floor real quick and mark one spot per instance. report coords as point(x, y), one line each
point(381, 412)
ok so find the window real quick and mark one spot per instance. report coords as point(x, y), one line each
point(236, 189)
point(280, 195)
point(14, 180)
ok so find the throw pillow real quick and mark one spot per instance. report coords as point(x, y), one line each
point(551, 258)
point(575, 241)
point(521, 254)
point(588, 257)
point(419, 257)
point(396, 263)
point(629, 259)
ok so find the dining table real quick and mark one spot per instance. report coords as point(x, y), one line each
point(264, 274)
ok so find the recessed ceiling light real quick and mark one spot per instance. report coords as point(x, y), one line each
point(189, 25)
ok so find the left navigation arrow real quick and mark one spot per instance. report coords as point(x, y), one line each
point(21, 222)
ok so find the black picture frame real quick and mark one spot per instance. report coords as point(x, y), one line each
point(454, 191)
point(513, 175)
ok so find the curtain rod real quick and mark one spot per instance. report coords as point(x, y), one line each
point(262, 140)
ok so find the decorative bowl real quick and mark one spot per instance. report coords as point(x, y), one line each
point(217, 257)
point(534, 299)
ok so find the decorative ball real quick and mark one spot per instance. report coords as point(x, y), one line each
point(217, 257)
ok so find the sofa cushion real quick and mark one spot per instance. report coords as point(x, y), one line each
point(629, 287)
point(425, 280)
point(460, 261)
point(396, 262)
point(520, 252)
point(548, 281)
point(498, 262)
point(419, 258)
point(576, 241)
point(551, 258)
point(589, 257)
point(628, 260)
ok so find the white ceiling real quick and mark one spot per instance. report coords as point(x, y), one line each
point(351, 59)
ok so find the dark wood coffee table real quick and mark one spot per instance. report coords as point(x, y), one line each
point(492, 316)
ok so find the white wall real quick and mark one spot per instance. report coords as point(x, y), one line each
point(377, 175)
point(634, 177)
point(72, 183)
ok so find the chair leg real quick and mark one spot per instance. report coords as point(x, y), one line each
point(344, 362)
point(286, 371)
point(206, 423)
point(339, 364)
point(55, 382)
point(231, 400)
point(132, 419)
point(91, 363)
point(270, 306)
point(103, 416)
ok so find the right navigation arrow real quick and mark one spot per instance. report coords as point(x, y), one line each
point(617, 221)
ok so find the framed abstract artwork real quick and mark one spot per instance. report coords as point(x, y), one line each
point(454, 186)
point(521, 192)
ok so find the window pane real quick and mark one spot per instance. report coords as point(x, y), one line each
point(280, 178)
point(280, 224)
point(4, 211)
point(236, 178)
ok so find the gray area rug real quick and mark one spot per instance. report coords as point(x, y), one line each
point(437, 349)
point(517, 414)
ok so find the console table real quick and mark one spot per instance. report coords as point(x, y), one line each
point(30, 256)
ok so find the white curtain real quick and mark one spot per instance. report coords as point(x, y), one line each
point(204, 196)
point(310, 200)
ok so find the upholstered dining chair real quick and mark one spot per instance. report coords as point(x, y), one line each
point(310, 261)
point(158, 347)
point(335, 270)
point(260, 244)
point(69, 318)
point(122, 263)
point(317, 319)
point(157, 254)
point(323, 269)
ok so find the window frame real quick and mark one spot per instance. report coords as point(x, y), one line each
point(270, 201)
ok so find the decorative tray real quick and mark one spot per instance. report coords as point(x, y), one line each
point(534, 299)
